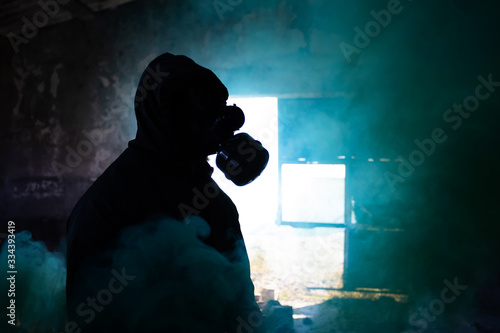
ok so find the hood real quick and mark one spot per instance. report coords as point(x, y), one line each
point(169, 110)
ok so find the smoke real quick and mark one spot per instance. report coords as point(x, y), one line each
point(175, 282)
point(162, 277)
point(425, 61)
point(39, 291)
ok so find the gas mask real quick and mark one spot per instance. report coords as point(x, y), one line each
point(240, 157)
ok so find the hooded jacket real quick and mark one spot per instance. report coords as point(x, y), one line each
point(162, 174)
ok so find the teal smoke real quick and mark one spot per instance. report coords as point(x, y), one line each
point(176, 281)
point(39, 285)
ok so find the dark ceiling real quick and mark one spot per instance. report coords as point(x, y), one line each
point(15, 13)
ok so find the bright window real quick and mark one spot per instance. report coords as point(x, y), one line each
point(313, 193)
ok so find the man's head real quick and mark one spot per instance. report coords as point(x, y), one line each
point(196, 112)
point(176, 113)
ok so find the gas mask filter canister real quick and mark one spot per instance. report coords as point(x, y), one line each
point(241, 158)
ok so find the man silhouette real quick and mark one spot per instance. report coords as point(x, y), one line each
point(163, 174)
